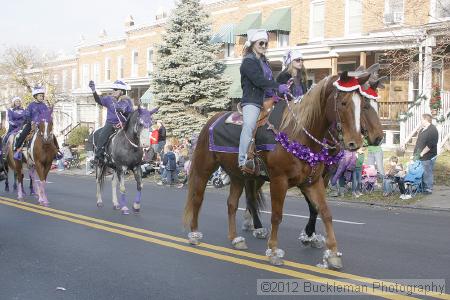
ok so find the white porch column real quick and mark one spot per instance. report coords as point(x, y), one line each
point(427, 70)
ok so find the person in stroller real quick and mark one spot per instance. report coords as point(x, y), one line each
point(369, 178)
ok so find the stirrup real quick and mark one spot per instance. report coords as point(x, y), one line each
point(248, 167)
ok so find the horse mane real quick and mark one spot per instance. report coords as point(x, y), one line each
point(132, 118)
point(310, 109)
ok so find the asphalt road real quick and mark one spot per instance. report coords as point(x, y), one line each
point(75, 250)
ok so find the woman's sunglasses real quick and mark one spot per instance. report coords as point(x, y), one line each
point(298, 60)
point(263, 44)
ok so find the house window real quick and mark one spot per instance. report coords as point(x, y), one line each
point(120, 67)
point(134, 63)
point(228, 49)
point(443, 8)
point(107, 69)
point(346, 66)
point(393, 11)
point(149, 60)
point(64, 80)
point(96, 72)
point(85, 76)
point(317, 23)
point(74, 78)
point(282, 39)
point(353, 19)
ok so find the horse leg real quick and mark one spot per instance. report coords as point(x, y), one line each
point(254, 202)
point(137, 171)
point(39, 170)
point(31, 183)
point(6, 182)
point(122, 199)
point(99, 181)
point(308, 236)
point(278, 189)
point(316, 192)
point(15, 181)
point(198, 179)
point(116, 205)
point(236, 188)
point(20, 183)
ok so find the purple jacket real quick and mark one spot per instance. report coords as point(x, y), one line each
point(347, 163)
point(35, 110)
point(116, 109)
point(16, 117)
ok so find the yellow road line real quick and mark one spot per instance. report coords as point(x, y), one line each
point(204, 245)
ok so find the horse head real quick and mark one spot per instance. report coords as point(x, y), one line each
point(344, 108)
point(44, 125)
point(145, 117)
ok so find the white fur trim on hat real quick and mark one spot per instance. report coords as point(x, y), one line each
point(120, 85)
point(16, 98)
point(296, 54)
point(38, 90)
point(254, 35)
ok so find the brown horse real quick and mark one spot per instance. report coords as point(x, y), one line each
point(372, 130)
point(39, 155)
point(307, 124)
point(16, 167)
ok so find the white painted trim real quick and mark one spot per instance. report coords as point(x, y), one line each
point(62, 66)
point(148, 62)
point(108, 62)
point(114, 48)
point(135, 37)
point(120, 65)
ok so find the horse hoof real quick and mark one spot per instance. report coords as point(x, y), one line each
point(260, 233)
point(125, 210)
point(136, 211)
point(315, 240)
point(99, 204)
point(331, 260)
point(116, 207)
point(239, 243)
point(275, 257)
point(45, 204)
point(195, 237)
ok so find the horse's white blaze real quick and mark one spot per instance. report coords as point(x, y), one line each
point(357, 102)
point(45, 130)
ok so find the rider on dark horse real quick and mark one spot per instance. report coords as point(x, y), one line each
point(34, 109)
point(16, 118)
point(118, 107)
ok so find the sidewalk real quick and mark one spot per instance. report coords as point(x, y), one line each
point(439, 200)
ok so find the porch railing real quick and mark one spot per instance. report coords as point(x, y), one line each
point(391, 110)
point(444, 128)
point(410, 126)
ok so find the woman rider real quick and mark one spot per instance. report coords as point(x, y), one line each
point(257, 85)
point(34, 109)
point(294, 72)
point(16, 118)
point(118, 109)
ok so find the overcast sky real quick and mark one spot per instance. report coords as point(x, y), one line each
point(57, 24)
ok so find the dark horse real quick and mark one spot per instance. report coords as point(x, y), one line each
point(307, 123)
point(124, 153)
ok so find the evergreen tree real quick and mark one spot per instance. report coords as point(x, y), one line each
point(187, 82)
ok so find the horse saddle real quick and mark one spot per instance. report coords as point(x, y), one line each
point(236, 117)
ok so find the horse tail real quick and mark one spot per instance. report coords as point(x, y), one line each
point(254, 196)
point(101, 175)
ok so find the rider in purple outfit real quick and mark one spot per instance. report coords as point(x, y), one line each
point(16, 118)
point(34, 109)
point(118, 110)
